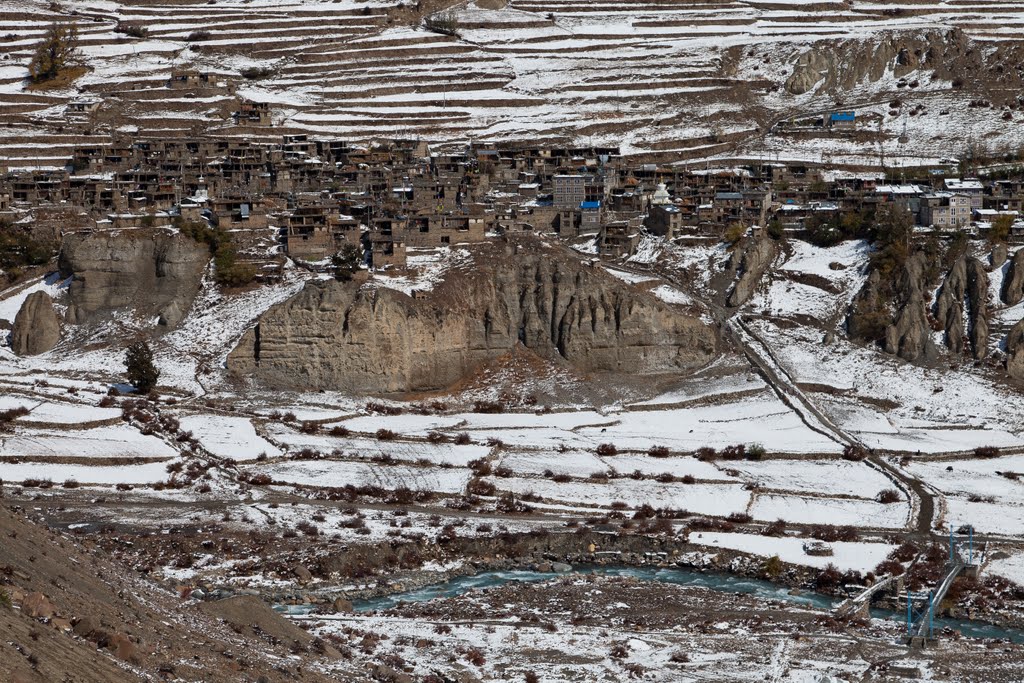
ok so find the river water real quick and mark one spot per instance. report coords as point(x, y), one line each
point(718, 581)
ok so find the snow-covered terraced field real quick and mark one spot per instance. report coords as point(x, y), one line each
point(119, 441)
point(105, 475)
point(863, 557)
point(695, 79)
point(339, 473)
point(51, 412)
point(835, 511)
point(234, 438)
point(835, 477)
point(702, 499)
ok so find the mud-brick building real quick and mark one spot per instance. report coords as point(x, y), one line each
point(315, 229)
point(238, 211)
point(48, 223)
point(619, 238)
point(749, 207)
point(387, 242)
point(38, 187)
point(1006, 195)
point(253, 114)
point(191, 79)
point(441, 230)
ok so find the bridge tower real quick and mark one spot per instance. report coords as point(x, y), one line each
point(920, 616)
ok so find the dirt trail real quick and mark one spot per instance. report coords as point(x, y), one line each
point(773, 372)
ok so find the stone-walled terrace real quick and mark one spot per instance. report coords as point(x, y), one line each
point(690, 78)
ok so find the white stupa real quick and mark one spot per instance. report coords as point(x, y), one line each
point(661, 197)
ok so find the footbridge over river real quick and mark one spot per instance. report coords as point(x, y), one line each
point(860, 604)
point(921, 605)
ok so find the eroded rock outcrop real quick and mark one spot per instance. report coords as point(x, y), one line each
point(36, 328)
point(951, 55)
point(949, 311)
point(368, 339)
point(965, 284)
point(751, 264)
point(155, 273)
point(1013, 282)
point(909, 335)
point(1015, 351)
point(998, 256)
point(977, 301)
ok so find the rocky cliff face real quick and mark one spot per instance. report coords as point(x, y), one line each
point(36, 327)
point(1015, 351)
point(909, 334)
point(751, 263)
point(838, 67)
point(960, 309)
point(998, 256)
point(375, 340)
point(965, 284)
point(156, 273)
point(1013, 282)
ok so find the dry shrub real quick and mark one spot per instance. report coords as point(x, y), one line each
point(706, 454)
point(986, 452)
point(854, 452)
point(889, 496)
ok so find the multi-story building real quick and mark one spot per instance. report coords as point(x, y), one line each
point(944, 210)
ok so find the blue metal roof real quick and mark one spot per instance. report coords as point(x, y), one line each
point(843, 116)
point(590, 205)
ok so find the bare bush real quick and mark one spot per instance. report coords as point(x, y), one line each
point(889, 496)
point(658, 451)
point(854, 452)
point(986, 452)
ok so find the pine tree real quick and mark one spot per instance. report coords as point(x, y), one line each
point(54, 53)
point(346, 262)
point(142, 373)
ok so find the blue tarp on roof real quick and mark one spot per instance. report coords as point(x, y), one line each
point(843, 116)
point(590, 205)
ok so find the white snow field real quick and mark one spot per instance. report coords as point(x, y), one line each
point(119, 441)
point(234, 438)
point(105, 475)
point(862, 557)
point(835, 477)
point(834, 511)
point(52, 412)
point(339, 473)
point(702, 499)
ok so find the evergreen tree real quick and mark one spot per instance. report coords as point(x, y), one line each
point(346, 262)
point(142, 373)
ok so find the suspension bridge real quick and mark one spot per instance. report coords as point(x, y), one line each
point(963, 559)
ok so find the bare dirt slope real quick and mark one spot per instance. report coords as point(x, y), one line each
point(73, 615)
